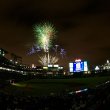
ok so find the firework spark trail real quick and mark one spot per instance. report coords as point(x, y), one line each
point(31, 51)
point(53, 59)
point(62, 52)
point(43, 60)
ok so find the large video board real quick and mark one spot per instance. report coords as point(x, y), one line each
point(78, 66)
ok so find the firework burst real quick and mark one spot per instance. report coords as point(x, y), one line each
point(44, 60)
point(44, 33)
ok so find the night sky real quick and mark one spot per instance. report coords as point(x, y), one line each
point(83, 27)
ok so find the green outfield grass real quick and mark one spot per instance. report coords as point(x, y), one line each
point(38, 87)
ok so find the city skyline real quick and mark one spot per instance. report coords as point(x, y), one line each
point(82, 28)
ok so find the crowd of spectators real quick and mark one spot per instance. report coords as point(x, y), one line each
point(91, 99)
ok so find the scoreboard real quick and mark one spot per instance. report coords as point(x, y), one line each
point(78, 66)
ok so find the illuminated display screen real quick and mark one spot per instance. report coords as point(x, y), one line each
point(79, 66)
point(85, 66)
point(71, 67)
